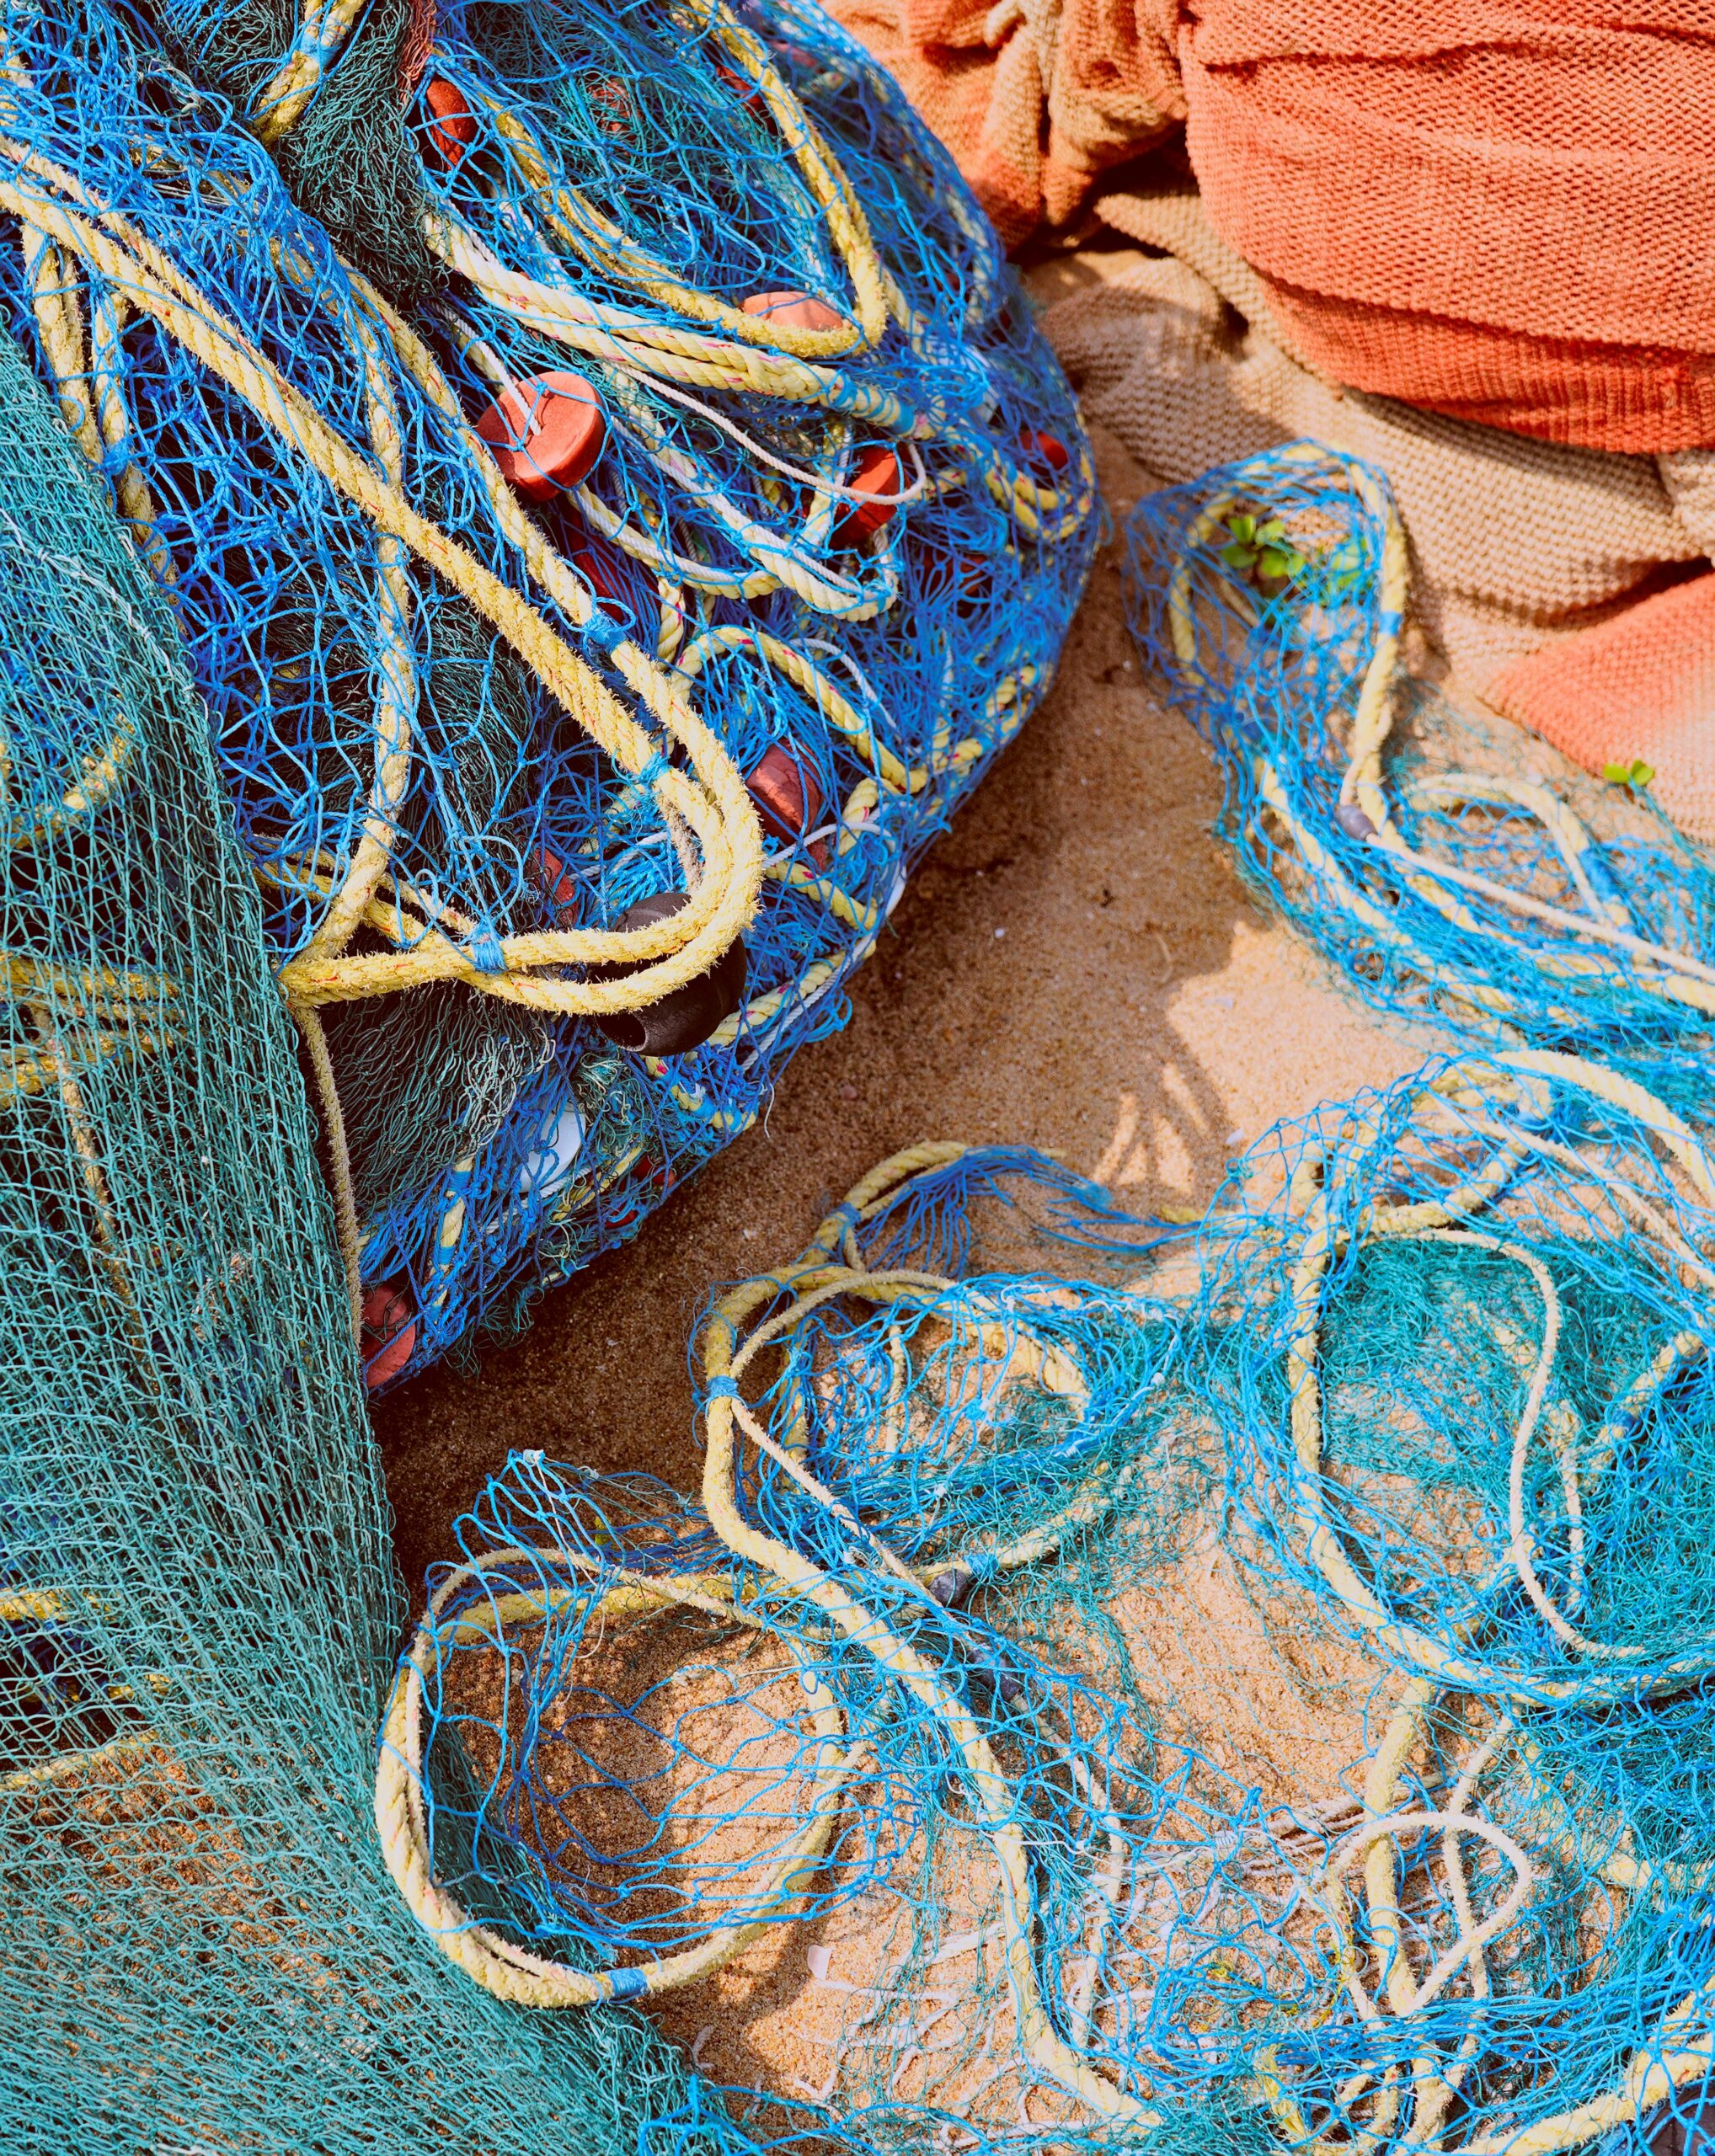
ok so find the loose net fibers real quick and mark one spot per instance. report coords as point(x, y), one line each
point(1438, 1395)
point(1392, 824)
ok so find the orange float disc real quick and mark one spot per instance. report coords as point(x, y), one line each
point(545, 431)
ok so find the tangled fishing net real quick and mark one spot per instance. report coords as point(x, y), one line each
point(197, 1603)
point(1402, 827)
point(933, 1674)
point(614, 502)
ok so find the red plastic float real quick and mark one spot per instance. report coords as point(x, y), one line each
point(748, 94)
point(965, 577)
point(795, 311)
point(558, 887)
point(1044, 449)
point(545, 431)
point(787, 798)
point(610, 103)
point(452, 127)
point(877, 470)
point(389, 1331)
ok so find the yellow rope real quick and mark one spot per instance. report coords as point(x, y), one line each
point(323, 28)
point(986, 1780)
point(401, 1814)
point(718, 811)
point(1677, 976)
point(1395, 1639)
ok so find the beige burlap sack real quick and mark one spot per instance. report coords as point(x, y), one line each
point(1518, 546)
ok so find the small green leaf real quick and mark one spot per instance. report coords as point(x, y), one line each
point(1296, 562)
point(1238, 557)
point(1635, 772)
point(1641, 773)
point(1272, 532)
point(1242, 528)
point(1616, 774)
point(1273, 563)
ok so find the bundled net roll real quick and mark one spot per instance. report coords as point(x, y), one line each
point(197, 1604)
point(935, 1674)
point(598, 606)
point(1394, 823)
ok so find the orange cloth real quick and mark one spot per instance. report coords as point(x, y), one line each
point(1032, 107)
point(1640, 687)
point(1495, 209)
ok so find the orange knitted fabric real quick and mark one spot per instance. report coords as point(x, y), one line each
point(1034, 98)
point(1494, 209)
point(1640, 687)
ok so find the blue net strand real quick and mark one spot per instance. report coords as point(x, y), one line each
point(1497, 908)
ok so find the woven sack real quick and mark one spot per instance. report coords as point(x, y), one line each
point(1639, 689)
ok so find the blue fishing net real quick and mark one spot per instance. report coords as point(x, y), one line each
point(1398, 1841)
point(1398, 826)
point(560, 616)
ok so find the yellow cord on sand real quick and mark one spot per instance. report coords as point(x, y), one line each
point(985, 1778)
point(401, 1815)
point(816, 1278)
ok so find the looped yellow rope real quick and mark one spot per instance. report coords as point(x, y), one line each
point(1447, 1221)
point(1676, 976)
point(814, 1277)
point(718, 810)
point(401, 1815)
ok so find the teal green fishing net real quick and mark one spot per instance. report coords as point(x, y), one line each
point(714, 401)
point(201, 1950)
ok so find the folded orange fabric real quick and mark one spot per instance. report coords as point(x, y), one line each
point(1034, 101)
point(1640, 689)
point(1495, 209)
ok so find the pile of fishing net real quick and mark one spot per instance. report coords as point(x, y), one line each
point(1243, 1687)
point(1249, 1696)
point(198, 1609)
point(614, 502)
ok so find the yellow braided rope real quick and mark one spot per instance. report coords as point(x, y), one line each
point(323, 30)
point(721, 817)
point(1677, 976)
point(985, 1781)
point(507, 1971)
point(1394, 1638)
